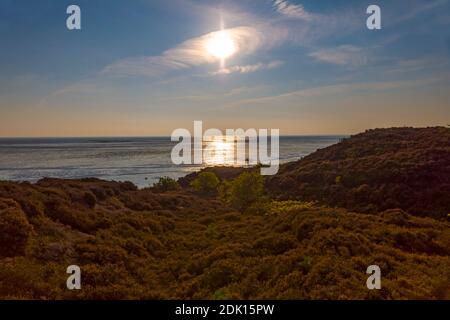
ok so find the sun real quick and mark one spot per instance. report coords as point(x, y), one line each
point(221, 45)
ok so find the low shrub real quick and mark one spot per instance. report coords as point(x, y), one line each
point(15, 229)
point(166, 184)
point(275, 207)
point(90, 199)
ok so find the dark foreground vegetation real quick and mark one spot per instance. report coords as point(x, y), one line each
point(228, 234)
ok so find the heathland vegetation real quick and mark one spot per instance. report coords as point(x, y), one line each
point(377, 170)
point(381, 197)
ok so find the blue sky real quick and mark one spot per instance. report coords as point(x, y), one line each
point(140, 67)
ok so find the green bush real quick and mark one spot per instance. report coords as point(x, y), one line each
point(206, 183)
point(244, 191)
point(166, 184)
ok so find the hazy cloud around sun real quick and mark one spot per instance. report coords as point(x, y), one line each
point(192, 52)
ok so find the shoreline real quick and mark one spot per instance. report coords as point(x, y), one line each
point(142, 162)
point(188, 174)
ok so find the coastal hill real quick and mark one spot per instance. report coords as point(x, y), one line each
point(178, 243)
point(373, 171)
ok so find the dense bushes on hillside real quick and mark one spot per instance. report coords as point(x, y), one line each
point(179, 245)
point(223, 173)
point(14, 229)
point(374, 171)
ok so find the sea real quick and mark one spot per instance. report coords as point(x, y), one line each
point(141, 160)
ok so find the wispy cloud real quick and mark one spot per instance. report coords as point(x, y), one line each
point(290, 10)
point(342, 55)
point(347, 89)
point(420, 9)
point(214, 97)
point(193, 53)
point(81, 88)
point(250, 68)
point(255, 36)
point(307, 27)
point(413, 65)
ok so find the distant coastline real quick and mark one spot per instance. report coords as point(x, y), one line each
point(141, 160)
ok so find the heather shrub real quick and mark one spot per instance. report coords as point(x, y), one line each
point(15, 229)
point(71, 216)
point(220, 274)
point(22, 278)
point(90, 199)
point(212, 232)
point(275, 244)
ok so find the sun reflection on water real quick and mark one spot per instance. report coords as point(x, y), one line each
point(220, 151)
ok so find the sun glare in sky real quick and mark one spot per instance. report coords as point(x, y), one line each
point(221, 45)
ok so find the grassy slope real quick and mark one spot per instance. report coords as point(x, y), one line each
point(141, 244)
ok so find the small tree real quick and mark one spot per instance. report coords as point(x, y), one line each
point(244, 191)
point(206, 183)
point(166, 184)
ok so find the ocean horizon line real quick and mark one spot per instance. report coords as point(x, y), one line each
point(163, 136)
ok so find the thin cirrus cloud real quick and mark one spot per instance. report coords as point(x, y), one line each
point(250, 68)
point(345, 55)
point(192, 53)
point(306, 27)
point(333, 91)
point(290, 10)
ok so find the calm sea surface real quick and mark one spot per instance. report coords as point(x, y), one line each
point(139, 160)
